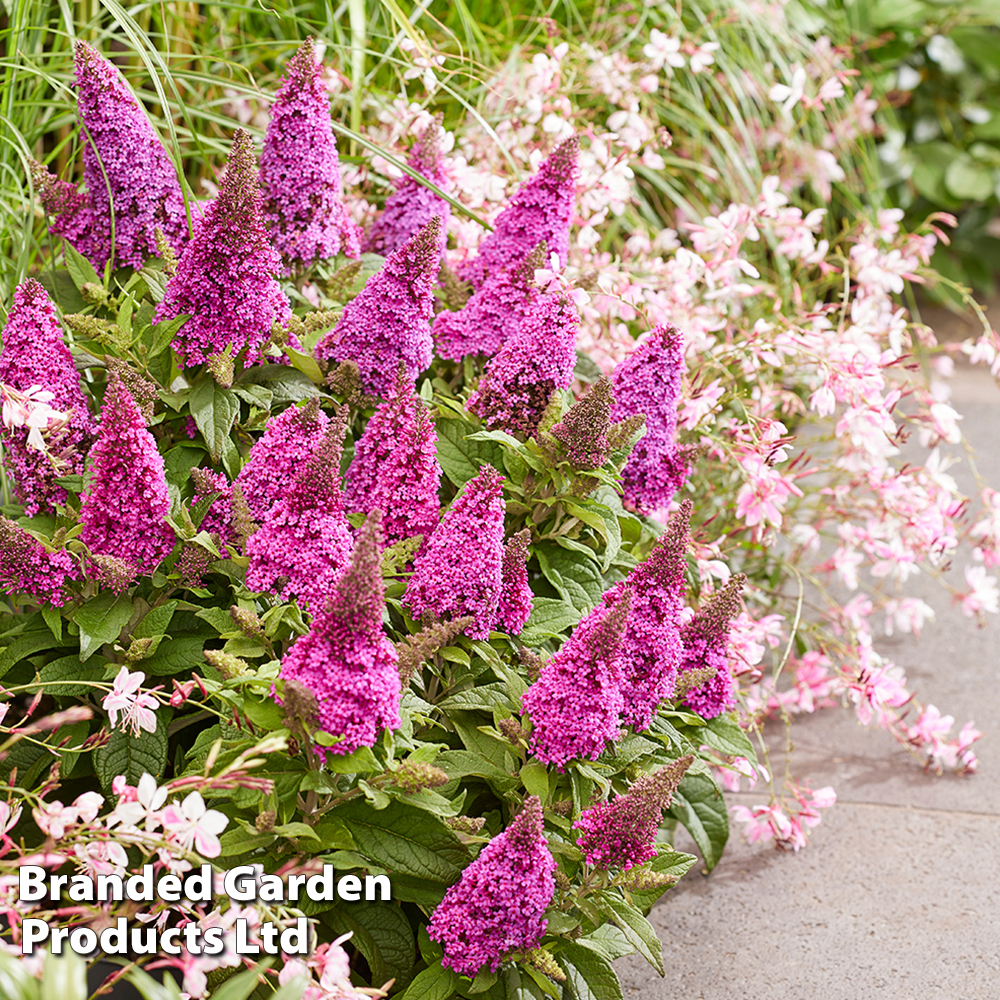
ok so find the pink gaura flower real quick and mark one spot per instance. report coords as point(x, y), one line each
point(193, 825)
point(137, 708)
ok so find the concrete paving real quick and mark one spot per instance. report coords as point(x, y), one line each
point(897, 896)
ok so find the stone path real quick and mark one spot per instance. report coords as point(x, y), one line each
point(897, 895)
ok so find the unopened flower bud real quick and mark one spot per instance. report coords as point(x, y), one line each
point(511, 728)
point(466, 824)
point(264, 823)
point(247, 621)
point(228, 665)
point(221, 367)
point(543, 961)
point(414, 776)
point(138, 650)
point(94, 294)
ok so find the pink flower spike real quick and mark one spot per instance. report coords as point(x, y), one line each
point(390, 320)
point(137, 709)
point(300, 170)
point(541, 210)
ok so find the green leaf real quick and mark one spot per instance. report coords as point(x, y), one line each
point(699, 806)
point(485, 698)
point(53, 618)
point(239, 841)
point(634, 926)
point(589, 975)
point(161, 334)
point(69, 668)
point(550, 617)
point(240, 987)
point(132, 756)
point(286, 384)
point(64, 978)
point(155, 621)
point(80, 269)
point(214, 410)
point(383, 934)
point(23, 646)
point(175, 656)
point(405, 839)
point(305, 364)
point(102, 620)
point(435, 983)
point(574, 575)
point(535, 777)
point(462, 763)
point(461, 458)
point(362, 761)
point(723, 733)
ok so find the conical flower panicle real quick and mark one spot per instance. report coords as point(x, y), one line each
point(705, 639)
point(576, 702)
point(459, 571)
point(395, 467)
point(538, 359)
point(226, 278)
point(300, 171)
point(27, 567)
point(413, 205)
point(304, 544)
point(499, 903)
point(516, 598)
point(127, 172)
point(494, 313)
point(542, 209)
point(389, 321)
point(648, 381)
point(584, 427)
point(123, 512)
point(288, 441)
point(651, 646)
point(34, 354)
point(345, 659)
point(620, 833)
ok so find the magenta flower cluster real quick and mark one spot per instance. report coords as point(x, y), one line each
point(27, 567)
point(648, 381)
point(576, 704)
point(499, 903)
point(620, 833)
point(279, 453)
point(345, 659)
point(651, 646)
point(706, 640)
point(34, 354)
point(516, 597)
point(459, 571)
point(395, 467)
point(304, 544)
point(300, 171)
point(540, 211)
point(389, 321)
point(493, 313)
point(127, 171)
point(123, 512)
point(412, 205)
point(538, 359)
point(226, 280)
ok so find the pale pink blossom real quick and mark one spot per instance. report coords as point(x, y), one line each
point(137, 708)
point(193, 825)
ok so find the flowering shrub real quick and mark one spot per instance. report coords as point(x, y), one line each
point(224, 642)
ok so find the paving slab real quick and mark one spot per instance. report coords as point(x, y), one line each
point(897, 895)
